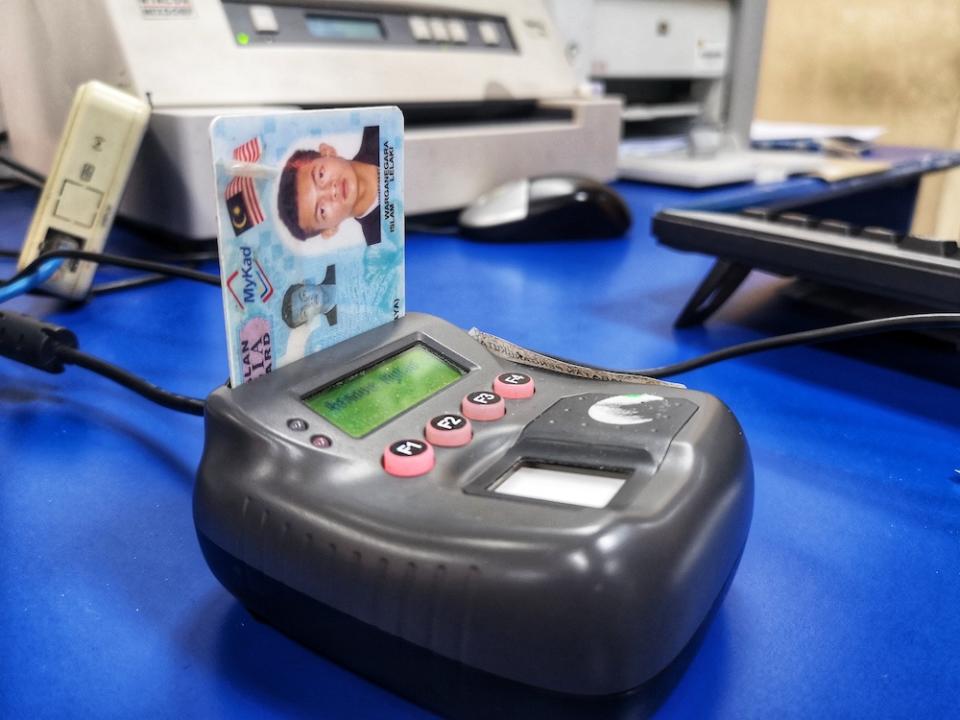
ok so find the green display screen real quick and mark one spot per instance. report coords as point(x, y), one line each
point(367, 399)
point(343, 28)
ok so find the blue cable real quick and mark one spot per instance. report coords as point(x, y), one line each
point(25, 284)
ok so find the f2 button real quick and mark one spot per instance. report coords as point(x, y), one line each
point(408, 458)
point(449, 430)
point(514, 386)
point(483, 405)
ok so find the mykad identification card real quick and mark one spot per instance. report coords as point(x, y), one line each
point(310, 211)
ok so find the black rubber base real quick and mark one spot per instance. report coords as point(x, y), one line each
point(443, 686)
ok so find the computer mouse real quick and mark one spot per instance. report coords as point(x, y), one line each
point(556, 207)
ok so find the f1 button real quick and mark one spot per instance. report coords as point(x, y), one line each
point(408, 458)
point(483, 405)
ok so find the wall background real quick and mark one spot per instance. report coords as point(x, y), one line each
point(894, 63)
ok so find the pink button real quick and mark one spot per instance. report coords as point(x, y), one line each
point(408, 458)
point(449, 430)
point(514, 386)
point(483, 405)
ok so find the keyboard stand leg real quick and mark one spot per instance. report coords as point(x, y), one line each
point(719, 284)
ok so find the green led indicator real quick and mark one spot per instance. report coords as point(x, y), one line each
point(243, 38)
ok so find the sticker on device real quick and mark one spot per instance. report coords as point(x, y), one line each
point(256, 348)
point(166, 8)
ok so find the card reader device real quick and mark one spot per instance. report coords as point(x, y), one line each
point(407, 495)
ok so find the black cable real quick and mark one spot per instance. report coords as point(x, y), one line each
point(195, 406)
point(134, 282)
point(152, 278)
point(49, 347)
point(171, 400)
point(119, 261)
point(130, 283)
point(922, 321)
point(32, 175)
point(190, 257)
point(427, 229)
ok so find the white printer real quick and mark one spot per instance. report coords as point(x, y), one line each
point(688, 72)
point(486, 90)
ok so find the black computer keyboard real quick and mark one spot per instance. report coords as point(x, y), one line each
point(920, 270)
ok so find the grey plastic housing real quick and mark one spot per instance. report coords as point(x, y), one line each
point(587, 601)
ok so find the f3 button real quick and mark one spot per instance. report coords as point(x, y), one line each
point(449, 430)
point(408, 458)
point(483, 405)
point(514, 386)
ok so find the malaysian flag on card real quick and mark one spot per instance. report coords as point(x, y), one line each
point(243, 204)
point(250, 151)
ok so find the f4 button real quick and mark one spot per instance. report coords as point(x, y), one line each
point(514, 385)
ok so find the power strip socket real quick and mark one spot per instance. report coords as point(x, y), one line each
point(79, 200)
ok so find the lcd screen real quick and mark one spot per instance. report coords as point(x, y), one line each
point(328, 27)
point(364, 401)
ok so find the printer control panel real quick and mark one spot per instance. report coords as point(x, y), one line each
point(265, 23)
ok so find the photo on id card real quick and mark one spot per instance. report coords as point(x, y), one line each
point(310, 218)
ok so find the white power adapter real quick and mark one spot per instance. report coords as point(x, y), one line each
point(89, 172)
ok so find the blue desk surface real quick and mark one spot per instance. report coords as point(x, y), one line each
point(846, 600)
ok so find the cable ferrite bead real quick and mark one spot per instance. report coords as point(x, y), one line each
point(33, 342)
